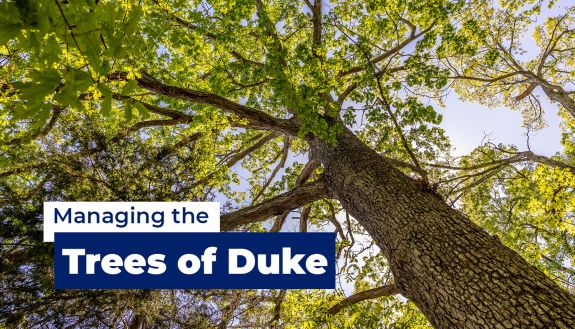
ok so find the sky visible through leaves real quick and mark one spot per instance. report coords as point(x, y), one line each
point(159, 100)
point(468, 123)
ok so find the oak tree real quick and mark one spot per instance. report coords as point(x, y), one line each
point(300, 115)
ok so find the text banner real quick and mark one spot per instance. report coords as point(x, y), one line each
point(194, 260)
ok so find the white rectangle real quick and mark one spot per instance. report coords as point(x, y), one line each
point(109, 217)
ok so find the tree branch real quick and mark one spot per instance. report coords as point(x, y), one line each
point(317, 24)
point(351, 88)
point(56, 111)
point(208, 35)
point(402, 137)
point(255, 117)
point(156, 109)
point(240, 155)
point(306, 173)
point(527, 92)
point(284, 155)
point(413, 36)
point(280, 221)
point(275, 206)
point(303, 220)
point(551, 44)
point(383, 291)
point(489, 80)
point(517, 158)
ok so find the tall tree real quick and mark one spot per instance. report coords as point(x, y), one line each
point(180, 100)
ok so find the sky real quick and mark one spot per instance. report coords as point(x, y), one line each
point(468, 123)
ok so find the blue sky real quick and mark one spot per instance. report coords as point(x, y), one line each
point(467, 123)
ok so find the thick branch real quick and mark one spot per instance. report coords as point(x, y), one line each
point(317, 23)
point(254, 117)
point(527, 92)
point(303, 220)
point(275, 206)
point(517, 158)
point(280, 221)
point(387, 290)
point(306, 173)
point(549, 161)
point(183, 117)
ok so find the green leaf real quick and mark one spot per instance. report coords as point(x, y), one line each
point(128, 113)
point(51, 50)
point(8, 31)
point(30, 111)
point(43, 84)
point(68, 97)
point(10, 24)
point(106, 105)
point(133, 20)
point(77, 80)
point(142, 109)
point(129, 87)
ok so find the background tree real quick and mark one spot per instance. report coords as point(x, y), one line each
point(496, 68)
point(286, 110)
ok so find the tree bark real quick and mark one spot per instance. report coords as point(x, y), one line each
point(456, 273)
point(562, 98)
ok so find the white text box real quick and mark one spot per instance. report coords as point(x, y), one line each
point(110, 217)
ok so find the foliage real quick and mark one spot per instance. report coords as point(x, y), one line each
point(220, 100)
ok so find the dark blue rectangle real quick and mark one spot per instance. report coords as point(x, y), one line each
point(174, 245)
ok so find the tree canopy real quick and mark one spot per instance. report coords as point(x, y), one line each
point(175, 100)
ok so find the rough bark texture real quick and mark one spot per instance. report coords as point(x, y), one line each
point(454, 271)
point(562, 98)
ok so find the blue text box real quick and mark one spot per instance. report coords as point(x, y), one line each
point(175, 245)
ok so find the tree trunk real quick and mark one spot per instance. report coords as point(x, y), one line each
point(562, 98)
point(455, 272)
